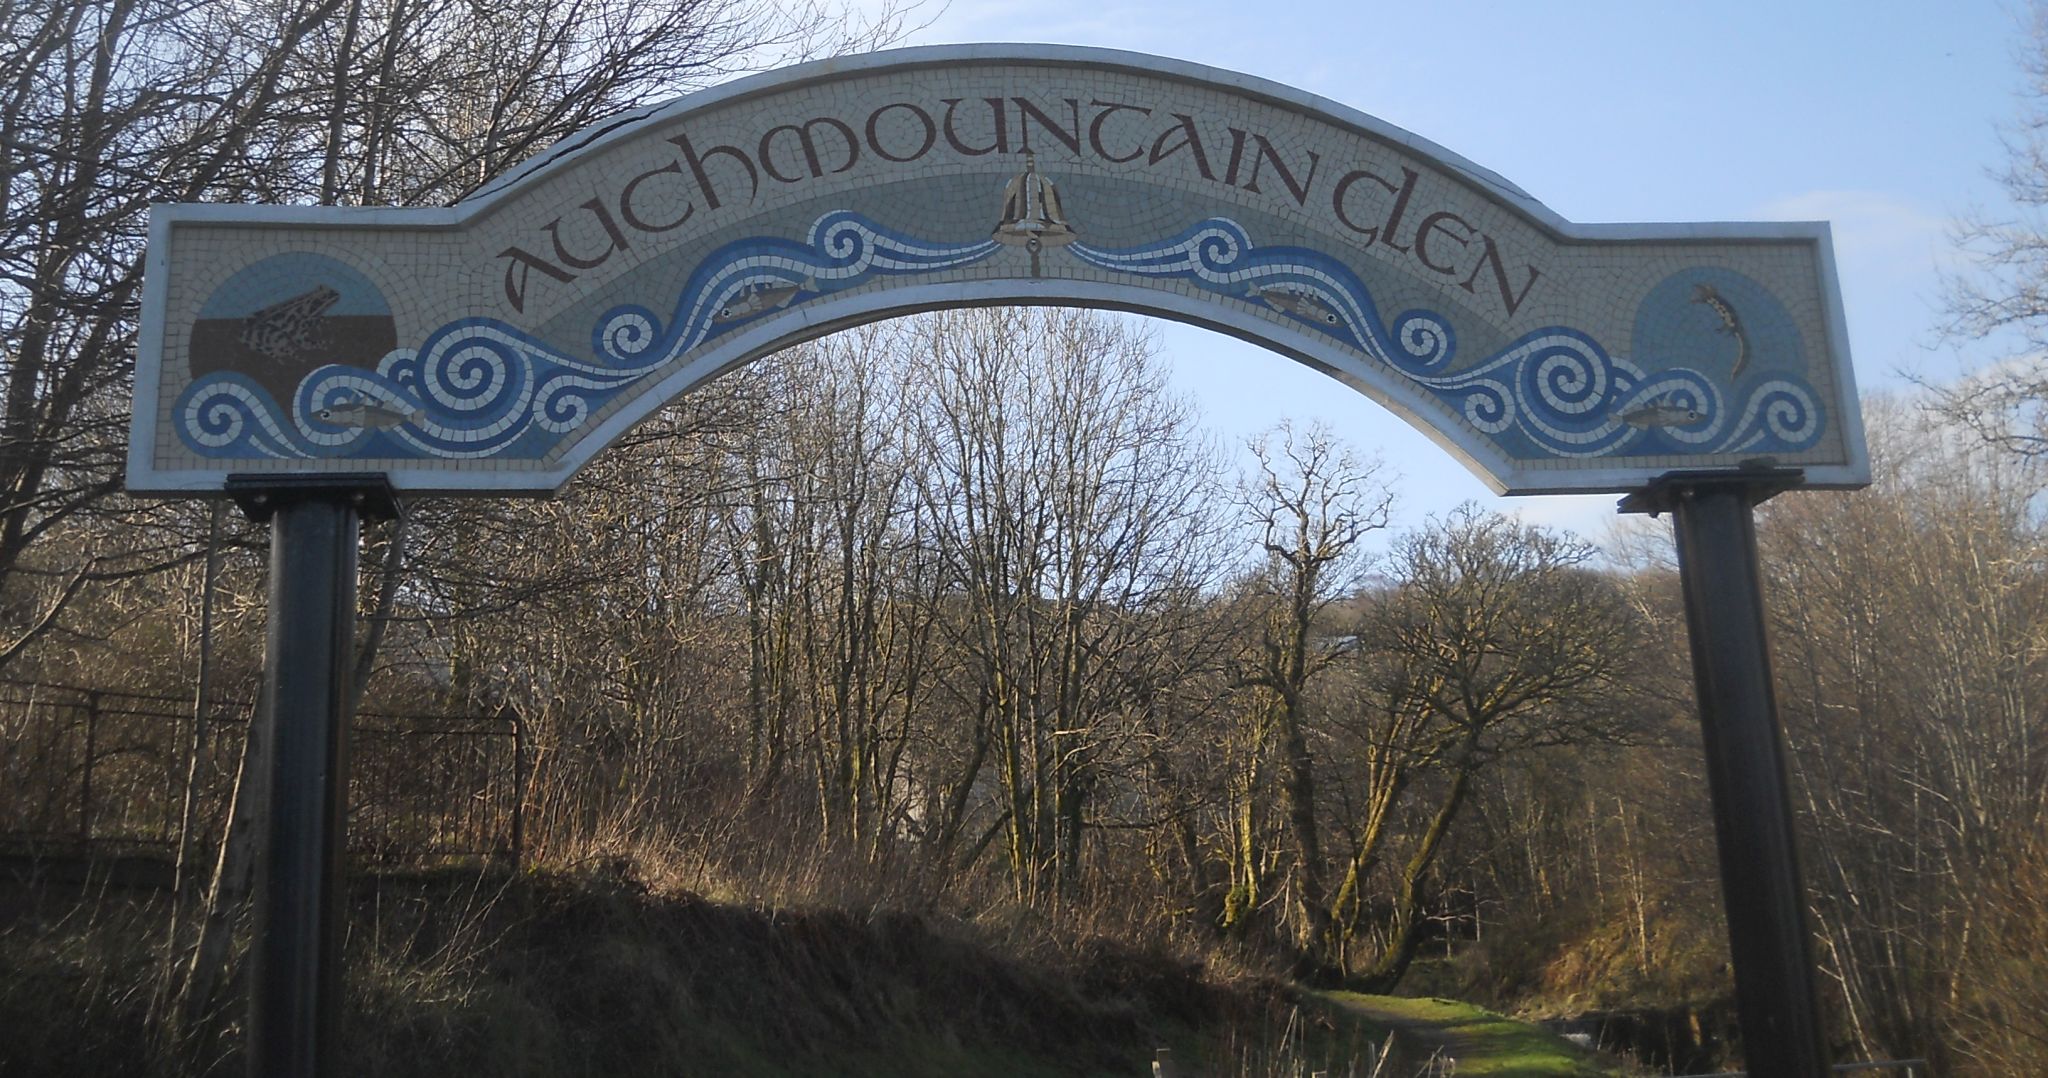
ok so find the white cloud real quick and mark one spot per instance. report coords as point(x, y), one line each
point(1870, 226)
point(1891, 252)
point(1586, 515)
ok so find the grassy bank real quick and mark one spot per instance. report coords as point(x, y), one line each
point(596, 973)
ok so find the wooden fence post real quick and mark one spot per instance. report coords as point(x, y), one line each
point(92, 734)
point(518, 784)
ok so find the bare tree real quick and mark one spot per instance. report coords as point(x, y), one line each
point(1922, 777)
point(1064, 494)
point(2005, 298)
point(1312, 505)
point(109, 105)
point(1494, 639)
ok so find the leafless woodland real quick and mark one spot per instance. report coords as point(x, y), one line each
point(968, 611)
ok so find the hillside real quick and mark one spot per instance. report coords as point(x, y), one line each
point(595, 973)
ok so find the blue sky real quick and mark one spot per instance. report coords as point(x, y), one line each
point(1880, 117)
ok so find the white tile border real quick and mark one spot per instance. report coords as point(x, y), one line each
point(825, 316)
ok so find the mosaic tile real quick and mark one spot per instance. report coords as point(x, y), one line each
point(497, 345)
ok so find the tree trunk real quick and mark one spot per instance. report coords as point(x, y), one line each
point(1386, 972)
point(234, 876)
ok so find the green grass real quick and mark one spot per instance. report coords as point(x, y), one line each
point(1487, 1045)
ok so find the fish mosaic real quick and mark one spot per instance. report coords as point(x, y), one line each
point(479, 387)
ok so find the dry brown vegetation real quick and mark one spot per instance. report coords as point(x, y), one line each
point(818, 640)
point(615, 965)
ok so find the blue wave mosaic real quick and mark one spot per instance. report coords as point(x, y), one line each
point(1553, 392)
point(480, 387)
point(484, 388)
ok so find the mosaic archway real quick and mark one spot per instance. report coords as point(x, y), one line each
point(498, 344)
point(314, 362)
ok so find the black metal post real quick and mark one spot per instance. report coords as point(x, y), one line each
point(1777, 995)
point(295, 958)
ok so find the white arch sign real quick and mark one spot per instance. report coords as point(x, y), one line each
point(496, 345)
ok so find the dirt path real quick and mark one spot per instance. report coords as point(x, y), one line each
point(1484, 1044)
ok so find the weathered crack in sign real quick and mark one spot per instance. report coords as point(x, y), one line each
point(496, 345)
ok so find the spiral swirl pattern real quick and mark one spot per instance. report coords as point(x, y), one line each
point(1780, 414)
point(1554, 392)
point(480, 388)
point(230, 411)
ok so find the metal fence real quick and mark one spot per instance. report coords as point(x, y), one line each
point(92, 769)
point(438, 785)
